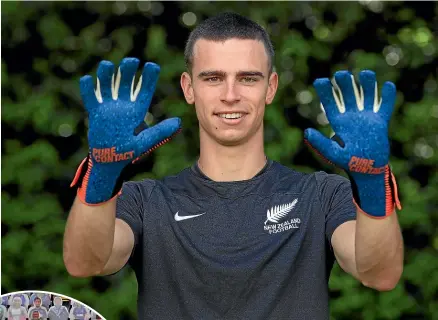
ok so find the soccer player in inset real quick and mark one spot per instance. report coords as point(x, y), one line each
point(16, 311)
point(236, 235)
point(46, 299)
point(37, 307)
point(79, 312)
point(24, 299)
point(58, 311)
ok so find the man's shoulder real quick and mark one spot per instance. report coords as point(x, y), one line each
point(282, 172)
point(280, 168)
point(281, 179)
point(325, 179)
point(320, 179)
point(319, 176)
point(147, 185)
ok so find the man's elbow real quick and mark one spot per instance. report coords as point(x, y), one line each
point(78, 269)
point(383, 283)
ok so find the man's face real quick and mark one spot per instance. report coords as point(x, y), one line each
point(57, 301)
point(230, 86)
point(37, 302)
point(16, 302)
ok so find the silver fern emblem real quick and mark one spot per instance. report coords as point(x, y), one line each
point(278, 212)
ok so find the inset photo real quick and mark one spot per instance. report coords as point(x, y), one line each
point(44, 305)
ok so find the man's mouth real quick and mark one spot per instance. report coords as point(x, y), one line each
point(230, 115)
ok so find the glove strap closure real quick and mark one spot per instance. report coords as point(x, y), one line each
point(81, 182)
point(391, 200)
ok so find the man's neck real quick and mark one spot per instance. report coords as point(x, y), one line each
point(236, 163)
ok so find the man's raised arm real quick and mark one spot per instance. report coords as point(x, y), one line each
point(371, 248)
point(95, 242)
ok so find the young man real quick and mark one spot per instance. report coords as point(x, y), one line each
point(46, 299)
point(42, 311)
point(24, 299)
point(16, 310)
point(79, 312)
point(236, 236)
point(58, 311)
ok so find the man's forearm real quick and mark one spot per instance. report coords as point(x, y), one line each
point(379, 251)
point(89, 237)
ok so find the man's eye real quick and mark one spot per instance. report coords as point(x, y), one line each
point(212, 79)
point(249, 79)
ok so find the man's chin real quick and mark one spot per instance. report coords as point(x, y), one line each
point(228, 137)
point(232, 141)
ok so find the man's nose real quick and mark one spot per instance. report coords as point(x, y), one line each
point(230, 92)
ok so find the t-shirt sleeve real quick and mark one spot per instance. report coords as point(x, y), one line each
point(336, 198)
point(130, 205)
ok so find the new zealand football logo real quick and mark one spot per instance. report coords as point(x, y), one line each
point(275, 218)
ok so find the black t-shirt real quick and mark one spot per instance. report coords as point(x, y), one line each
point(253, 249)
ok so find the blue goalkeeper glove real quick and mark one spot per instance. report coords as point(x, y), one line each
point(360, 145)
point(118, 135)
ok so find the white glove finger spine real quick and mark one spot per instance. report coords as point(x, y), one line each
point(134, 94)
point(357, 95)
point(97, 92)
point(377, 102)
point(339, 99)
point(116, 85)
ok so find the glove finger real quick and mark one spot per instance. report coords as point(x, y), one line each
point(105, 73)
point(389, 93)
point(368, 86)
point(326, 148)
point(128, 67)
point(149, 80)
point(86, 86)
point(157, 135)
point(349, 95)
point(324, 89)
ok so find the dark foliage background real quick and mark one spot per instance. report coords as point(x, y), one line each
point(48, 46)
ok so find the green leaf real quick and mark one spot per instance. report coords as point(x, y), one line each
point(53, 30)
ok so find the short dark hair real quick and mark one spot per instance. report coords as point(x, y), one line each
point(225, 26)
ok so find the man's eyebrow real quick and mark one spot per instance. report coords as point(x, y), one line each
point(250, 74)
point(212, 73)
point(220, 73)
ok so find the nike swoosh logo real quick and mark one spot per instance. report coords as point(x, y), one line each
point(180, 218)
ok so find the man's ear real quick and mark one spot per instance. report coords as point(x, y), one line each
point(272, 87)
point(187, 88)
